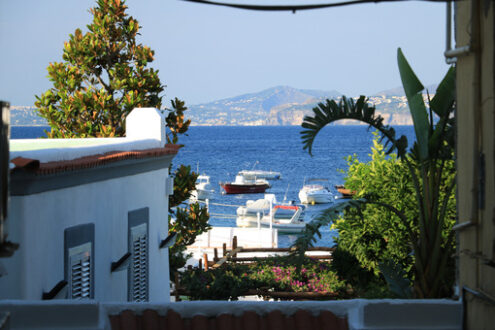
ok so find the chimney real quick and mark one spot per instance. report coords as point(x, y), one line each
point(146, 123)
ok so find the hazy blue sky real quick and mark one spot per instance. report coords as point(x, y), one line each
point(204, 53)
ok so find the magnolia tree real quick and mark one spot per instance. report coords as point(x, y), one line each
point(103, 76)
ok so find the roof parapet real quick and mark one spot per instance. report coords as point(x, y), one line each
point(146, 123)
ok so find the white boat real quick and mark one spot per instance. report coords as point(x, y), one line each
point(203, 191)
point(315, 191)
point(252, 208)
point(262, 206)
point(259, 174)
point(286, 218)
point(253, 174)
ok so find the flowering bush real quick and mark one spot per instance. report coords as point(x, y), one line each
point(312, 276)
point(279, 274)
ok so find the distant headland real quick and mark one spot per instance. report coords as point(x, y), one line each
point(277, 106)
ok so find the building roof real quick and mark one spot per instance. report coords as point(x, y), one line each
point(49, 150)
point(31, 176)
point(37, 167)
point(249, 320)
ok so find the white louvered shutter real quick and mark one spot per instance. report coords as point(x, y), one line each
point(80, 272)
point(138, 284)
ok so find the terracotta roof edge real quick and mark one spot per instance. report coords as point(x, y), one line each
point(35, 166)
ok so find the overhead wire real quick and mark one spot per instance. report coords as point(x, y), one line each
point(295, 8)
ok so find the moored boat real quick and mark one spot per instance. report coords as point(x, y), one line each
point(346, 193)
point(202, 191)
point(315, 191)
point(263, 206)
point(259, 174)
point(287, 219)
point(242, 185)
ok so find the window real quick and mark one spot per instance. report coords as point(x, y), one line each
point(138, 247)
point(79, 261)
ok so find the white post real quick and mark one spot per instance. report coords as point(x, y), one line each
point(271, 214)
point(207, 202)
point(258, 216)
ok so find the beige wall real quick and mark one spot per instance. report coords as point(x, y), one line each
point(475, 136)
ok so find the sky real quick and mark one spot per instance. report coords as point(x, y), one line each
point(204, 53)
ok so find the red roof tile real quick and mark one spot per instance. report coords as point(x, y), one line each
point(249, 320)
point(33, 165)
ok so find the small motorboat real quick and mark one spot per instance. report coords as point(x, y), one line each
point(315, 191)
point(259, 174)
point(263, 206)
point(346, 193)
point(252, 208)
point(242, 185)
point(203, 191)
point(286, 218)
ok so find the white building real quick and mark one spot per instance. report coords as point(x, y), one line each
point(90, 215)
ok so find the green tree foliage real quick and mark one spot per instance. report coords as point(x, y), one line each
point(428, 163)
point(375, 235)
point(176, 121)
point(190, 221)
point(103, 77)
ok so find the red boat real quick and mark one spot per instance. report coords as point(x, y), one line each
point(241, 185)
point(346, 193)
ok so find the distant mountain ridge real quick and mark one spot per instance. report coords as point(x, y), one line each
point(285, 105)
point(271, 97)
point(280, 105)
point(254, 108)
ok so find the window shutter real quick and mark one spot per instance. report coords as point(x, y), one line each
point(138, 246)
point(79, 261)
point(80, 272)
point(139, 265)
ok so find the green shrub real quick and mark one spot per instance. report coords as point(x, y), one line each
point(373, 234)
point(364, 283)
point(224, 283)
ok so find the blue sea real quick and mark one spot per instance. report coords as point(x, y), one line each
point(222, 151)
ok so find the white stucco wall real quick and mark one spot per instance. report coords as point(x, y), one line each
point(362, 314)
point(50, 150)
point(38, 222)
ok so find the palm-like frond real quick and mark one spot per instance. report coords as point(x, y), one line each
point(347, 108)
point(326, 217)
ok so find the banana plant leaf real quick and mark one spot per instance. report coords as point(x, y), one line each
point(413, 88)
point(444, 97)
